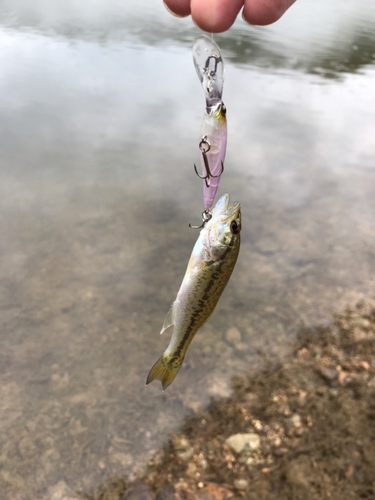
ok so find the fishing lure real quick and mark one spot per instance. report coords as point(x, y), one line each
point(209, 65)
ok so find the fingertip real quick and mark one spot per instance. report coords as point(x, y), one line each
point(263, 12)
point(215, 16)
point(178, 8)
point(209, 25)
point(248, 17)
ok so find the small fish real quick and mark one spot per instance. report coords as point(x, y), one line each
point(209, 269)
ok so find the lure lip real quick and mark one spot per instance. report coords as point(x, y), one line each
point(212, 79)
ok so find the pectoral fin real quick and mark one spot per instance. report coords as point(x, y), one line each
point(171, 316)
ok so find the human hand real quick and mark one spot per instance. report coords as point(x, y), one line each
point(215, 16)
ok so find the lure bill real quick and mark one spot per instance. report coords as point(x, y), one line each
point(209, 269)
point(209, 65)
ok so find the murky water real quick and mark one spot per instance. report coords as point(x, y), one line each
point(99, 119)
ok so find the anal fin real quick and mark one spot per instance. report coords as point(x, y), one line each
point(170, 317)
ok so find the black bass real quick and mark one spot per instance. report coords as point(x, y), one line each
point(209, 269)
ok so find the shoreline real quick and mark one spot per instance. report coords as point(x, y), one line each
point(304, 429)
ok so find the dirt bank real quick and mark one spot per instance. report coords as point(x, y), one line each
point(304, 430)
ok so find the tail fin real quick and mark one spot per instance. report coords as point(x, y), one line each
point(165, 369)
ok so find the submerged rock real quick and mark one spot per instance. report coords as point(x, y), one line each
point(330, 374)
point(214, 491)
point(180, 444)
point(61, 491)
point(233, 335)
point(294, 421)
point(241, 484)
point(242, 442)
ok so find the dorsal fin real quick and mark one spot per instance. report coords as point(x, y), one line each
point(170, 317)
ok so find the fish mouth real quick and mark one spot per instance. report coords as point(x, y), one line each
point(224, 210)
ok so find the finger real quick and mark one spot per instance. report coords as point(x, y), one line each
point(179, 8)
point(263, 12)
point(215, 16)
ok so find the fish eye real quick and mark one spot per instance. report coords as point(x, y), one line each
point(223, 110)
point(234, 227)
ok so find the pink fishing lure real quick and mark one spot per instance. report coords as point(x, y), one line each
point(209, 65)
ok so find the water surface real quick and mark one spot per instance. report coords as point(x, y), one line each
point(99, 122)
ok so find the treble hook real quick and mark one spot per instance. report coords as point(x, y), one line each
point(204, 152)
point(206, 216)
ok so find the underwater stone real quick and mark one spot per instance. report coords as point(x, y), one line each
point(241, 442)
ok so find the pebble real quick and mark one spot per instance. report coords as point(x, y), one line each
point(257, 425)
point(329, 374)
point(194, 406)
point(61, 491)
point(125, 459)
point(365, 323)
point(181, 486)
point(241, 484)
point(277, 442)
point(294, 421)
point(219, 388)
point(240, 442)
point(180, 444)
point(364, 365)
point(233, 335)
point(345, 378)
point(302, 398)
point(299, 432)
point(182, 448)
point(185, 455)
point(213, 491)
point(241, 346)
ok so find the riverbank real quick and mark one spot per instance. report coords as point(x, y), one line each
point(303, 430)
